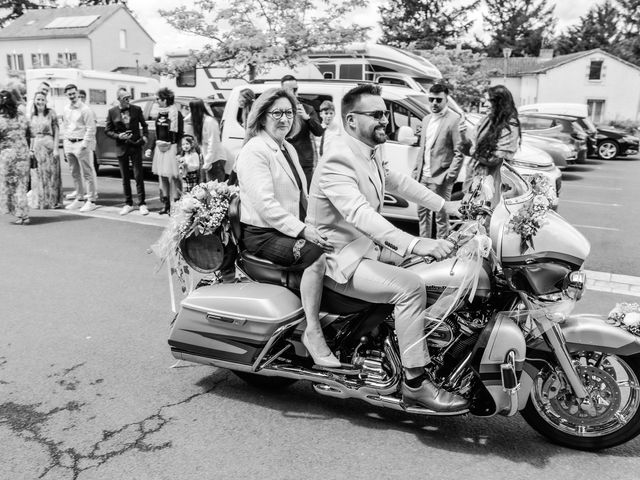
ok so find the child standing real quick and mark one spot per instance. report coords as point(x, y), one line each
point(189, 162)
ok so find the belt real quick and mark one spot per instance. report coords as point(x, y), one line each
point(74, 140)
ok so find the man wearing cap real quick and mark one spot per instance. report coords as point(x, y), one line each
point(124, 124)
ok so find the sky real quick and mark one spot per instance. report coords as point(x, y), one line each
point(168, 39)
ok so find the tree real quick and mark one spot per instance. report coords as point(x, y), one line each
point(17, 7)
point(629, 46)
point(89, 3)
point(251, 35)
point(461, 70)
point(522, 25)
point(597, 29)
point(424, 23)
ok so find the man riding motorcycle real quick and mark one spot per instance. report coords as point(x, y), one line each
point(345, 201)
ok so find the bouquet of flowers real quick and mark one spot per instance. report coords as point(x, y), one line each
point(202, 211)
point(531, 216)
point(627, 316)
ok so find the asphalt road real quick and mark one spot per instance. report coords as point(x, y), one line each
point(87, 390)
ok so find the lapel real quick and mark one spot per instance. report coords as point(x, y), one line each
point(376, 178)
point(273, 146)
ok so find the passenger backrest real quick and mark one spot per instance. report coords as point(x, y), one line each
point(234, 219)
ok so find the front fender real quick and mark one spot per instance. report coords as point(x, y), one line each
point(592, 332)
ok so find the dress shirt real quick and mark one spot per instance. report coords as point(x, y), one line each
point(430, 138)
point(78, 121)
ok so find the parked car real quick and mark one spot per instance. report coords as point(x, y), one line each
point(407, 108)
point(560, 127)
point(106, 146)
point(561, 153)
point(613, 142)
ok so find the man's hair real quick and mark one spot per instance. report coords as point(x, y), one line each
point(327, 105)
point(82, 93)
point(288, 78)
point(352, 97)
point(122, 90)
point(439, 88)
point(166, 94)
point(70, 86)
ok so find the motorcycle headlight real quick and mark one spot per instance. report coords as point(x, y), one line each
point(575, 284)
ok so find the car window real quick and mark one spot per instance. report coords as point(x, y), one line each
point(314, 100)
point(535, 123)
point(153, 111)
point(401, 116)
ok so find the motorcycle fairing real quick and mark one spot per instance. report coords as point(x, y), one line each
point(589, 331)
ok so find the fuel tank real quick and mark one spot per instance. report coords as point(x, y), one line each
point(449, 273)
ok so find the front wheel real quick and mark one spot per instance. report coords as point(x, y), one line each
point(608, 150)
point(609, 416)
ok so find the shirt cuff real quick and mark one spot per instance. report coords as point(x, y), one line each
point(413, 244)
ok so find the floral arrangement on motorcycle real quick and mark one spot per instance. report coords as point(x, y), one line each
point(626, 316)
point(198, 234)
point(527, 221)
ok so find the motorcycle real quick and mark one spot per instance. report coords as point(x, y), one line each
point(511, 346)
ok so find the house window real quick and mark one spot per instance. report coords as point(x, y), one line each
point(67, 57)
point(595, 70)
point(123, 39)
point(97, 97)
point(596, 110)
point(39, 60)
point(15, 61)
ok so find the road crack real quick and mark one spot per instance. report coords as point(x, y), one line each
point(28, 423)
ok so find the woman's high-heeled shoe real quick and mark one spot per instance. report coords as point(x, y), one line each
point(326, 361)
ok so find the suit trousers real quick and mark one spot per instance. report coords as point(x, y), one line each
point(442, 219)
point(81, 163)
point(377, 282)
point(133, 154)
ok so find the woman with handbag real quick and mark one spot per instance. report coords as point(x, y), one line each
point(205, 129)
point(44, 153)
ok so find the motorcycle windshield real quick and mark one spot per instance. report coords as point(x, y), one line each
point(534, 322)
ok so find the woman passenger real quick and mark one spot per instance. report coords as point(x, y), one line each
point(273, 194)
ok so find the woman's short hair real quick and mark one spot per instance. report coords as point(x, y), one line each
point(166, 94)
point(264, 103)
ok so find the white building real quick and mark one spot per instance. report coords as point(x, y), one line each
point(609, 85)
point(104, 37)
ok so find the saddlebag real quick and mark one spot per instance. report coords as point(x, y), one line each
point(231, 322)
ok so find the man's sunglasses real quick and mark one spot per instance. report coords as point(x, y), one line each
point(376, 114)
point(436, 100)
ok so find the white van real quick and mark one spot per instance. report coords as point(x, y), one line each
point(101, 87)
point(572, 109)
point(408, 107)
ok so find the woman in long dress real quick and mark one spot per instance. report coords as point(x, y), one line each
point(14, 159)
point(497, 139)
point(44, 144)
point(205, 129)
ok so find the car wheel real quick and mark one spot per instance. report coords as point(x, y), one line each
point(608, 150)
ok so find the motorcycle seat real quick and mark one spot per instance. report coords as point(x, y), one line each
point(265, 271)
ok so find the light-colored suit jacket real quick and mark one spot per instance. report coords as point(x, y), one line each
point(269, 193)
point(345, 201)
point(445, 159)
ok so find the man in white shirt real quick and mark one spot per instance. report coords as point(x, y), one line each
point(79, 136)
point(439, 159)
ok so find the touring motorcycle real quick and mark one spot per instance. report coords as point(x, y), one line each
point(510, 346)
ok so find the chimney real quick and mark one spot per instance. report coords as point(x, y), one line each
point(545, 53)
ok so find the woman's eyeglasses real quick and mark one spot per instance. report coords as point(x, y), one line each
point(277, 114)
point(376, 114)
point(435, 100)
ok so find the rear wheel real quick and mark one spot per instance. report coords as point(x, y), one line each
point(265, 382)
point(609, 416)
point(608, 150)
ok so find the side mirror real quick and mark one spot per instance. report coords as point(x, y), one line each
point(406, 136)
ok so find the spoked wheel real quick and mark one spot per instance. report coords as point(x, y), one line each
point(609, 416)
point(608, 150)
